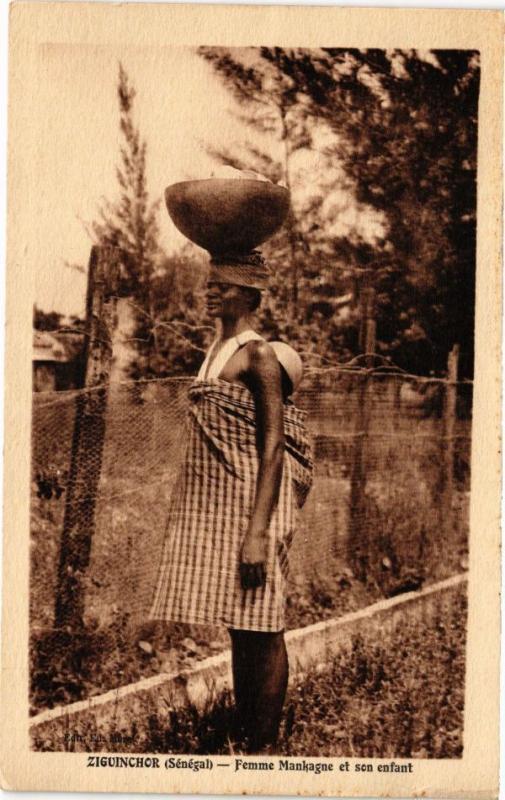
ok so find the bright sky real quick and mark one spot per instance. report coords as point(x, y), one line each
point(181, 108)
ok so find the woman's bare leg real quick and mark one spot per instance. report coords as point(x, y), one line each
point(260, 678)
point(243, 690)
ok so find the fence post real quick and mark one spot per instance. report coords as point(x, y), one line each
point(88, 436)
point(369, 324)
point(448, 440)
point(358, 543)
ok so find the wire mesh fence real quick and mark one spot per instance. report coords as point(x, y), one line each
point(388, 506)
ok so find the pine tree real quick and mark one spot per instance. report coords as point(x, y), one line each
point(130, 222)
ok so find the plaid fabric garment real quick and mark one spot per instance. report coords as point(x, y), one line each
point(199, 579)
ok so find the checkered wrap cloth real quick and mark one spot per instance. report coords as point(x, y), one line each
point(199, 580)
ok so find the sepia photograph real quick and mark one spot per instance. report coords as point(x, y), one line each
point(253, 368)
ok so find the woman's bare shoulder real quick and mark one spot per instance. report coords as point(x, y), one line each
point(261, 356)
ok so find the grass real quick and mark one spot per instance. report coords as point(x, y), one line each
point(401, 697)
point(66, 667)
point(395, 695)
point(395, 546)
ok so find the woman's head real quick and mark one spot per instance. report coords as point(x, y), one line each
point(231, 300)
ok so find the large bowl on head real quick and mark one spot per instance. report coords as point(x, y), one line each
point(226, 215)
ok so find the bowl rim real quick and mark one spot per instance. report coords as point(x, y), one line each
point(238, 181)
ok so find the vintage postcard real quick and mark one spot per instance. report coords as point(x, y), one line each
point(252, 473)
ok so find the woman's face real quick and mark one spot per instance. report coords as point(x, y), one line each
point(227, 300)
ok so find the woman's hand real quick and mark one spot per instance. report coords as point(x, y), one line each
point(252, 562)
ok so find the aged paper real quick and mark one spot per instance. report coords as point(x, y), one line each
point(64, 146)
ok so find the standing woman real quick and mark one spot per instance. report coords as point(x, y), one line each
point(247, 466)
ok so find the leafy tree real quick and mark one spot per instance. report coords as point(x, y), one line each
point(404, 132)
point(405, 127)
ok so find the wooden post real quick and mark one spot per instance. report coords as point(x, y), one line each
point(369, 325)
point(358, 542)
point(88, 437)
point(448, 440)
point(357, 539)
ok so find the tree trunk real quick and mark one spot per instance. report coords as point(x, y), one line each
point(88, 437)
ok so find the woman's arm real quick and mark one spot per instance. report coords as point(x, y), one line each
point(263, 377)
